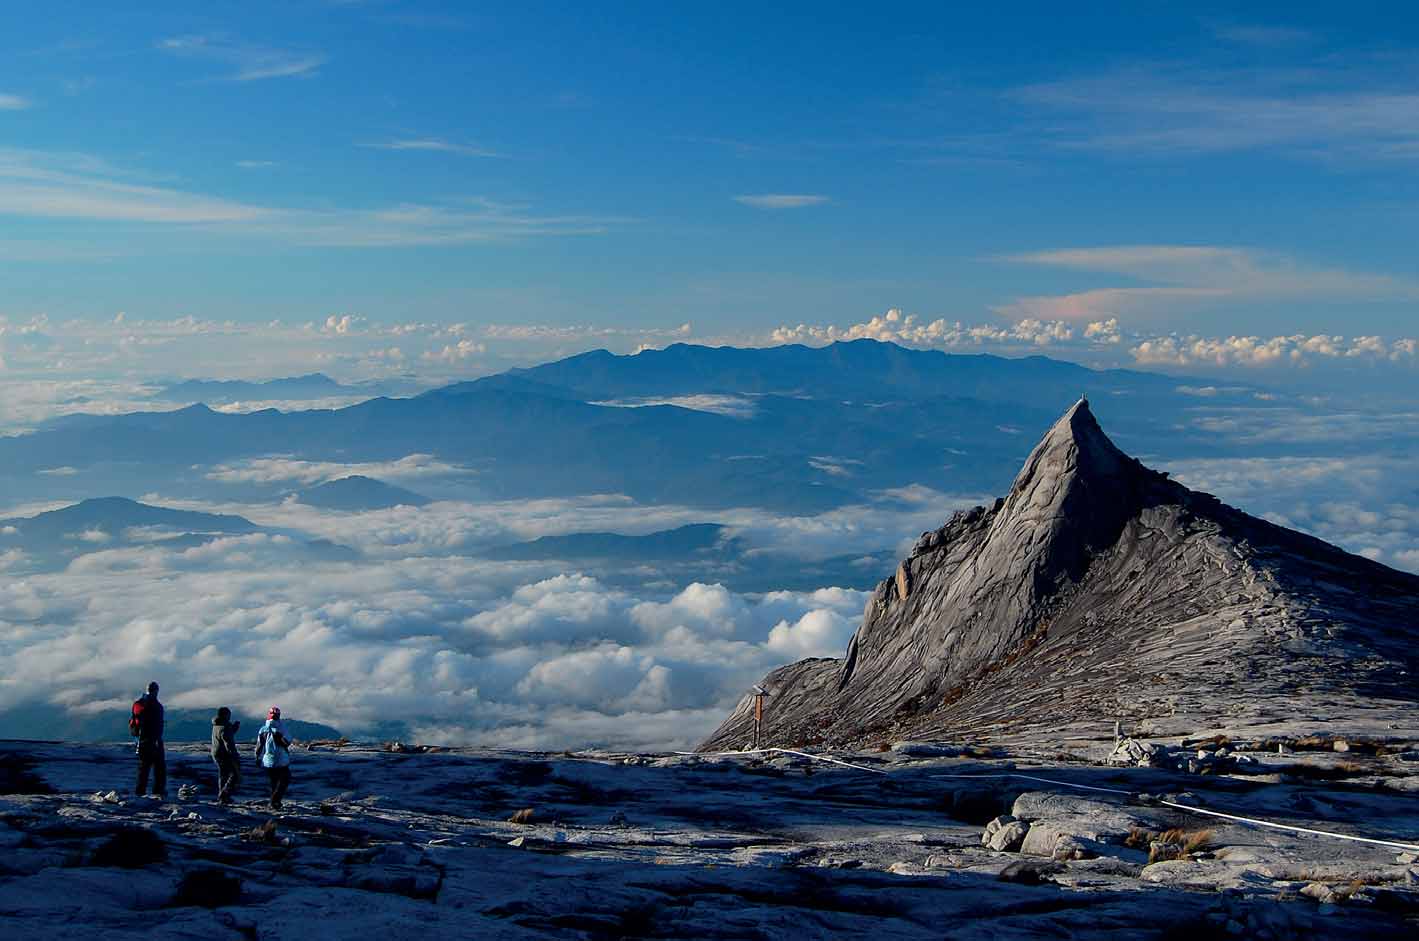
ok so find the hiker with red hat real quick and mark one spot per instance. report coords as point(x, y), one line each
point(273, 751)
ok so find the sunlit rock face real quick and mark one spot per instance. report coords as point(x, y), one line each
point(1098, 590)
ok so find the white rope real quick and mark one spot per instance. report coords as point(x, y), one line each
point(1394, 844)
point(1408, 847)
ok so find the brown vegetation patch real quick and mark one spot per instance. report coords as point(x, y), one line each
point(1176, 843)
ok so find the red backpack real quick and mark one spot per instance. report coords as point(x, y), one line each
point(135, 721)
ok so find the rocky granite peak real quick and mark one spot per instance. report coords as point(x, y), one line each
point(1098, 590)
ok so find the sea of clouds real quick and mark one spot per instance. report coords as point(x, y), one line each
point(420, 632)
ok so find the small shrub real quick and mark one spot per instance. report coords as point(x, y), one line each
point(522, 816)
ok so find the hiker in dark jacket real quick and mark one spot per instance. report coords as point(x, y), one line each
point(224, 753)
point(147, 724)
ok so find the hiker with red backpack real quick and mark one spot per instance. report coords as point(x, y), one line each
point(273, 751)
point(145, 723)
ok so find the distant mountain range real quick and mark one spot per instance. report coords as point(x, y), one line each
point(793, 429)
point(47, 721)
point(55, 537)
point(358, 492)
point(290, 388)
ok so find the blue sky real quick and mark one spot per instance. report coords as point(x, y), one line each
point(1183, 171)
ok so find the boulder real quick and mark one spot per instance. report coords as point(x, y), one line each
point(1005, 834)
point(1062, 826)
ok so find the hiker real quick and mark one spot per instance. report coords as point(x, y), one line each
point(273, 750)
point(146, 724)
point(224, 753)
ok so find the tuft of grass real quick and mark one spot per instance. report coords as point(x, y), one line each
point(1139, 837)
point(1172, 844)
point(522, 816)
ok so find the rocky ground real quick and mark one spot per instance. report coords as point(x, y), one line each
point(420, 844)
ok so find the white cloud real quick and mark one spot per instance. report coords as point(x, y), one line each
point(341, 324)
point(457, 352)
point(435, 145)
point(781, 200)
point(820, 633)
point(275, 470)
point(1297, 349)
point(38, 184)
point(1363, 503)
point(12, 102)
point(1192, 276)
point(897, 327)
point(249, 62)
point(1315, 107)
point(1098, 338)
point(734, 406)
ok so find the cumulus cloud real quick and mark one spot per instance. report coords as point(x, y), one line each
point(457, 352)
point(1296, 349)
point(1098, 339)
point(897, 327)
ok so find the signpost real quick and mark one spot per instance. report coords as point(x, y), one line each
point(759, 695)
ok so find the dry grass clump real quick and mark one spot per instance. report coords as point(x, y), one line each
point(522, 816)
point(1176, 843)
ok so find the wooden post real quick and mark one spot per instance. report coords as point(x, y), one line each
point(759, 694)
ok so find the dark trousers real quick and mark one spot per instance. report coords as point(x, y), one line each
point(152, 759)
point(280, 779)
point(228, 777)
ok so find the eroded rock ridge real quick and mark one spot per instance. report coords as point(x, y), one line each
point(1100, 590)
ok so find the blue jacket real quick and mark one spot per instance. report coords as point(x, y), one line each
point(269, 750)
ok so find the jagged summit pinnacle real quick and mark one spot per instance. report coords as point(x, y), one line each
point(1074, 446)
point(1096, 590)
